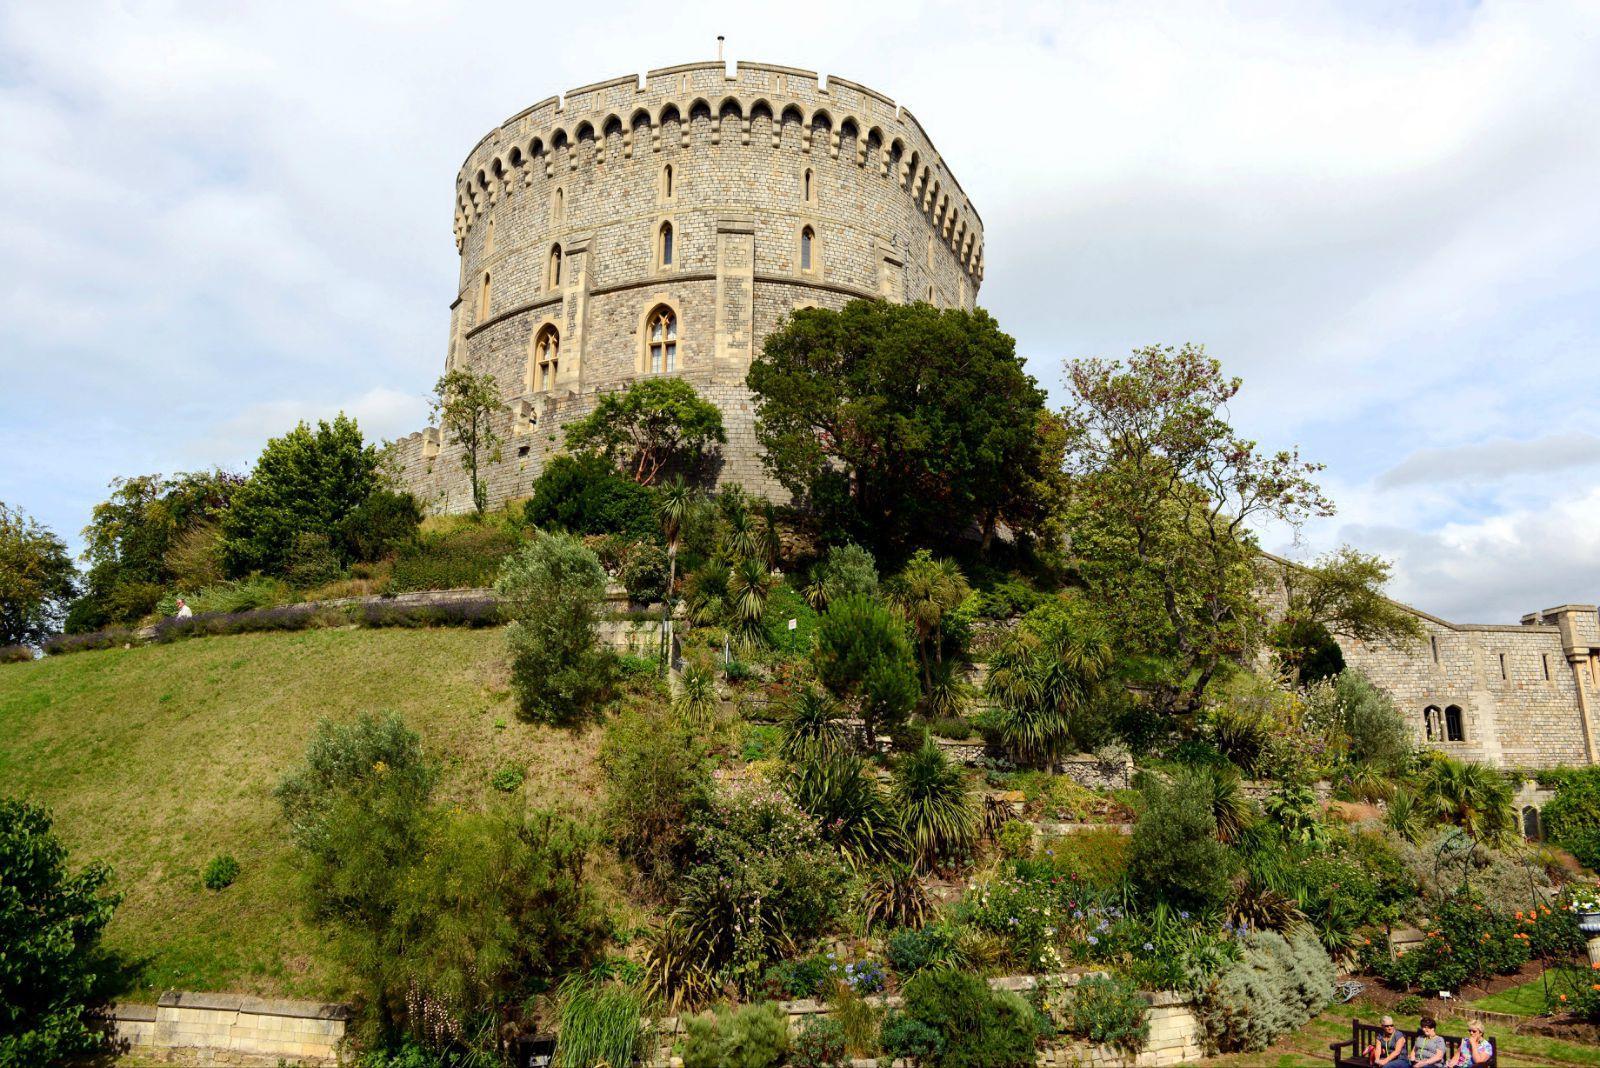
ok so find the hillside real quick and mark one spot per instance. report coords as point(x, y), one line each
point(157, 758)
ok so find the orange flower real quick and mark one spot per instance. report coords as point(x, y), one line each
point(1596, 965)
point(1594, 986)
point(1519, 914)
point(1563, 997)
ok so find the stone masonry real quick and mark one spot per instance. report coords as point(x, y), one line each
point(778, 191)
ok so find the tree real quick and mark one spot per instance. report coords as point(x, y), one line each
point(307, 481)
point(912, 424)
point(465, 405)
point(1164, 495)
point(551, 591)
point(1044, 677)
point(1474, 797)
point(676, 508)
point(1342, 591)
point(50, 925)
point(935, 804)
point(864, 659)
point(926, 590)
point(37, 579)
point(583, 494)
point(654, 426)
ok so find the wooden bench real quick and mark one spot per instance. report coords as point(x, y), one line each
point(1348, 1054)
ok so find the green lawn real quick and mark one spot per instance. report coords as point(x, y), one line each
point(1527, 999)
point(156, 758)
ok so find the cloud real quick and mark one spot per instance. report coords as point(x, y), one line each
point(380, 412)
point(1494, 460)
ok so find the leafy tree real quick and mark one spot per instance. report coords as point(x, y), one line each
point(1572, 817)
point(307, 481)
point(656, 425)
point(1044, 677)
point(910, 423)
point(935, 803)
point(1306, 649)
point(926, 590)
point(50, 925)
point(384, 523)
point(37, 579)
point(1343, 591)
point(492, 914)
point(1175, 855)
point(847, 569)
point(864, 658)
point(465, 405)
point(584, 494)
point(1164, 496)
point(551, 591)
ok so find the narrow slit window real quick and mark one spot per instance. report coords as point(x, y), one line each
point(483, 298)
point(1502, 665)
point(558, 206)
point(555, 267)
point(666, 244)
point(666, 181)
point(807, 238)
point(1546, 658)
point(805, 186)
point(1434, 642)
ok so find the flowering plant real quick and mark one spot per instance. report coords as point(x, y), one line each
point(1584, 899)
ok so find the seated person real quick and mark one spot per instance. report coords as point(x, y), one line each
point(1389, 1051)
point(1474, 1049)
point(1429, 1050)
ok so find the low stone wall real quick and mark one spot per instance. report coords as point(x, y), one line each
point(1176, 1036)
point(1097, 773)
point(230, 1029)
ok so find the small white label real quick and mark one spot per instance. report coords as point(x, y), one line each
point(793, 623)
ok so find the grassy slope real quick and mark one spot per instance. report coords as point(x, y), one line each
point(157, 758)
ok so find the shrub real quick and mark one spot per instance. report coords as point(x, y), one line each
point(467, 557)
point(382, 524)
point(736, 671)
point(1108, 1012)
point(508, 778)
point(552, 591)
point(751, 1036)
point(1098, 857)
point(1277, 985)
point(935, 804)
point(847, 569)
point(954, 728)
point(804, 977)
point(50, 925)
point(16, 654)
point(784, 604)
point(1465, 942)
point(1410, 1005)
point(584, 494)
point(859, 1019)
point(657, 782)
point(311, 561)
point(761, 879)
point(864, 658)
point(820, 1044)
point(1572, 817)
point(220, 872)
point(1175, 856)
point(979, 1028)
point(910, 1038)
point(600, 1024)
point(61, 644)
point(644, 573)
point(912, 950)
point(894, 897)
point(1015, 839)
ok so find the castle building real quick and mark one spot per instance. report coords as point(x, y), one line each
point(665, 226)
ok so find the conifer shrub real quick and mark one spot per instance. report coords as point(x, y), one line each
point(1175, 855)
point(1275, 987)
point(977, 1027)
point(751, 1036)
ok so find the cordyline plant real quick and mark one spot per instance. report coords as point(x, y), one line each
point(1164, 498)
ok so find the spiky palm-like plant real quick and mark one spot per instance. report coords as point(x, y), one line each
point(1474, 797)
point(676, 509)
point(925, 591)
point(935, 805)
point(748, 587)
point(696, 701)
point(811, 728)
point(851, 808)
point(1041, 682)
point(894, 897)
point(1232, 808)
point(1405, 816)
point(675, 972)
point(706, 593)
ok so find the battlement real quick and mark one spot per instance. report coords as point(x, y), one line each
point(622, 116)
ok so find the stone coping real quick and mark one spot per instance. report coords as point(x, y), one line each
point(304, 1010)
point(132, 1013)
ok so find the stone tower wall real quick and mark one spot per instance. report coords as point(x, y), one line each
point(756, 158)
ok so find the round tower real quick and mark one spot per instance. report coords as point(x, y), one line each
point(665, 226)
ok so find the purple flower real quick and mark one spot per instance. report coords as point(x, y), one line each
point(1093, 941)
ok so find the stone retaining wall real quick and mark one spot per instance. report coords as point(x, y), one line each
point(230, 1029)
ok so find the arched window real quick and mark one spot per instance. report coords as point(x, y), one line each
point(664, 246)
point(1453, 731)
point(807, 192)
point(1530, 823)
point(483, 298)
point(553, 274)
point(661, 333)
point(808, 238)
point(558, 205)
point(666, 181)
point(1431, 725)
point(546, 357)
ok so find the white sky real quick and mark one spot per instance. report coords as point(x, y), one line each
point(218, 218)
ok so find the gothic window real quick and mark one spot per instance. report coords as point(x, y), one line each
point(558, 206)
point(546, 358)
point(666, 182)
point(808, 239)
point(483, 299)
point(661, 333)
point(664, 246)
point(1431, 725)
point(808, 192)
point(1453, 730)
point(553, 275)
